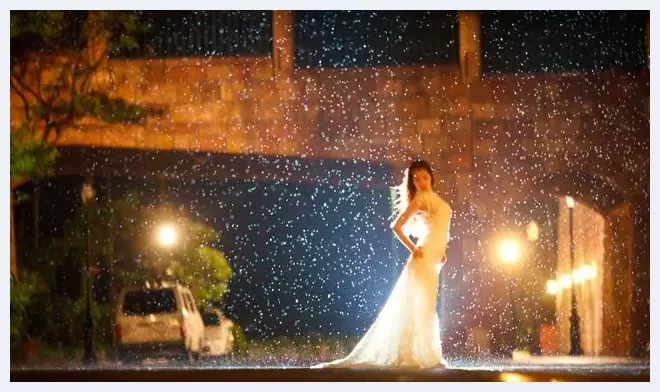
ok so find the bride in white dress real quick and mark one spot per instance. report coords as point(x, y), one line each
point(406, 332)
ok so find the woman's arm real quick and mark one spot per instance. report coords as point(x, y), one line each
point(397, 226)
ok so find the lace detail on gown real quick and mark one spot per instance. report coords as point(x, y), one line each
point(406, 332)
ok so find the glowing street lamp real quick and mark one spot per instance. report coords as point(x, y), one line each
point(589, 272)
point(553, 287)
point(580, 275)
point(509, 251)
point(167, 235)
point(576, 346)
point(570, 202)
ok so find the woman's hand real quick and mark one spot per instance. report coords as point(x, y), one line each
point(418, 253)
point(398, 224)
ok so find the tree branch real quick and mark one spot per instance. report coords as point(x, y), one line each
point(72, 108)
point(58, 132)
point(16, 183)
point(58, 86)
point(28, 89)
point(26, 104)
point(93, 69)
point(40, 72)
point(47, 129)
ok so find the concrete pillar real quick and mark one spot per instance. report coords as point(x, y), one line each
point(469, 45)
point(283, 42)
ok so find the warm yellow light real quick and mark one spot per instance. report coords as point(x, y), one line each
point(553, 287)
point(509, 251)
point(570, 202)
point(532, 231)
point(167, 235)
point(589, 271)
point(579, 275)
point(515, 377)
point(565, 281)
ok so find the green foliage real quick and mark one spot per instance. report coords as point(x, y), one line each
point(206, 271)
point(110, 110)
point(48, 25)
point(192, 260)
point(29, 156)
point(51, 69)
point(41, 309)
point(61, 30)
point(54, 56)
point(59, 320)
point(22, 292)
point(240, 343)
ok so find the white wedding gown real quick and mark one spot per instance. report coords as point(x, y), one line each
point(406, 332)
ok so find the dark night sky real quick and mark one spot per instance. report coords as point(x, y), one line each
point(552, 41)
point(512, 41)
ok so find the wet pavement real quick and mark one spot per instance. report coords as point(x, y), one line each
point(541, 369)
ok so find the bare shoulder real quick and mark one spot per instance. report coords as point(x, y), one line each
point(441, 200)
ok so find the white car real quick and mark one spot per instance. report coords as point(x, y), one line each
point(158, 320)
point(218, 336)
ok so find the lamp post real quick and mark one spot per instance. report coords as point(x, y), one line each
point(576, 347)
point(509, 252)
point(87, 193)
point(167, 237)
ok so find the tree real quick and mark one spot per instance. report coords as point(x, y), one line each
point(57, 314)
point(59, 67)
point(30, 157)
point(59, 79)
point(204, 269)
point(21, 293)
point(193, 260)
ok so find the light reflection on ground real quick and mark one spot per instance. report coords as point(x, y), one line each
point(540, 364)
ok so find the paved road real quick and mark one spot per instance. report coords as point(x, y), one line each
point(533, 369)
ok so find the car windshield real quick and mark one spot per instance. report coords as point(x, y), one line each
point(211, 318)
point(145, 302)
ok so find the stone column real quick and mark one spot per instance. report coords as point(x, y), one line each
point(283, 42)
point(469, 45)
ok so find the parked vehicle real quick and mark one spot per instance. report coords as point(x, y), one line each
point(158, 320)
point(218, 336)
